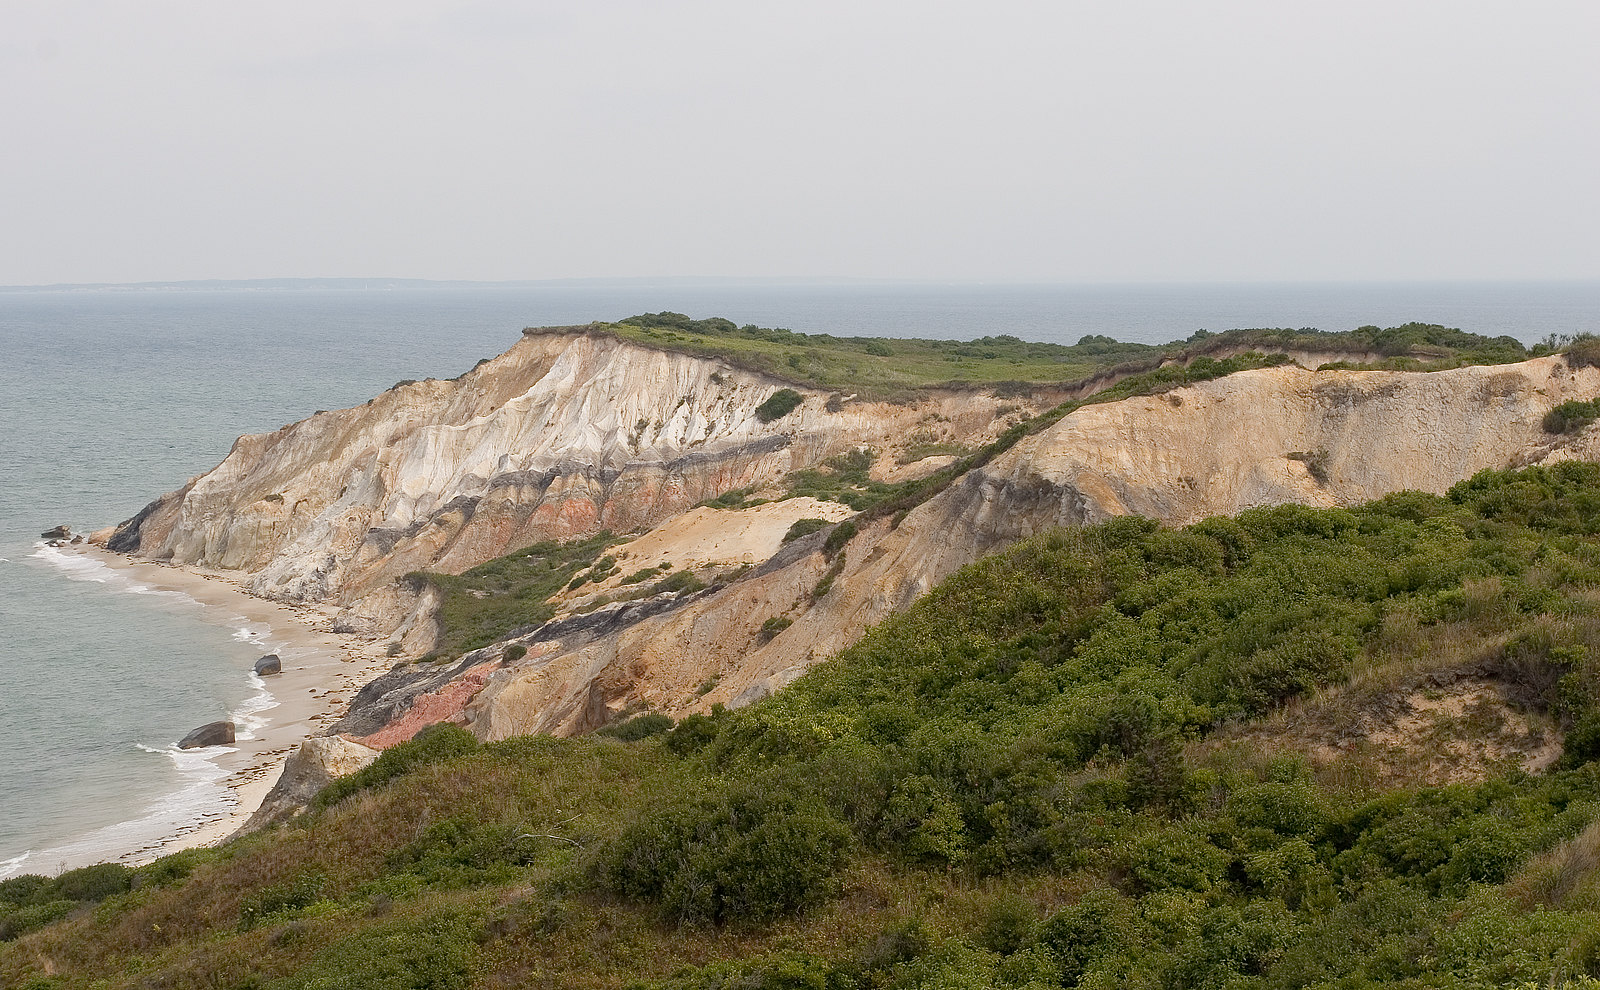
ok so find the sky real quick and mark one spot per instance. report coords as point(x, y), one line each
point(1106, 141)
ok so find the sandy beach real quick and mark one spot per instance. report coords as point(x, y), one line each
point(322, 671)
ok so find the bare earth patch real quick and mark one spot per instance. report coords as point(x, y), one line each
point(1447, 730)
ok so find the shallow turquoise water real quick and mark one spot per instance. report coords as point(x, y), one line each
point(110, 398)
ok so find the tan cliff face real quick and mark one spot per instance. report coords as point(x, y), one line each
point(566, 434)
point(563, 435)
point(1216, 448)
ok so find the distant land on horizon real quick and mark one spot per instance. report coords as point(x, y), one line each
point(375, 284)
point(359, 283)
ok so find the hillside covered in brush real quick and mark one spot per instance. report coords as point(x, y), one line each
point(1299, 747)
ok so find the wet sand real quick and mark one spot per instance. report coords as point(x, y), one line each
point(322, 671)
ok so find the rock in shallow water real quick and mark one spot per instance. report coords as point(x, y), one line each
point(269, 664)
point(210, 734)
point(59, 533)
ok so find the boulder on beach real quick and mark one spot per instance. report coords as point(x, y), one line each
point(210, 734)
point(269, 664)
point(310, 768)
point(59, 533)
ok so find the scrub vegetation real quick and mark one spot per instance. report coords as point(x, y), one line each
point(883, 368)
point(510, 592)
point(1100, 758)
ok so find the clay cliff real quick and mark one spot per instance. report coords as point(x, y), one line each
point(571, 432)
point(567, 433)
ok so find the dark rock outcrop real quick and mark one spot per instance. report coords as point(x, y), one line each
point(210, 734)
point(58, 533)
point(269, 664)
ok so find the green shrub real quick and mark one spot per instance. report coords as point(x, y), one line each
point(784, 971)
point(1584, 351)
point(775, 625)
point(825, 585)
point(92, 883)
point(460, 850)
point(693, 733)
point(173, 868)
point(842, 534)
point(433, 952)
point(735, 498)
point(23, 889)
point(19, 921)
point(750, 855)
point(1079, 935)
point(683, 582)
point(640, 727)
point(1571, 416)
point(489, 601)
point(297, 894)
point(779, 404)
point(803, 527)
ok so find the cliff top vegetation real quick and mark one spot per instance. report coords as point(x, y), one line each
point(890, 366)
point(1234, 754)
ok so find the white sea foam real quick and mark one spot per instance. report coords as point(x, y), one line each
point(81, 567)
point(201, 797)
point(247, 717)
point(249, 632)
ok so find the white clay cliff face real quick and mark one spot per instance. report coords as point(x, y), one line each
point(563, 435)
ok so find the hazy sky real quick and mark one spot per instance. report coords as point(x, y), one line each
point(1016, 141)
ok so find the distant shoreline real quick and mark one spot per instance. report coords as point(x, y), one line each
point(388, 284)
point(322, 672)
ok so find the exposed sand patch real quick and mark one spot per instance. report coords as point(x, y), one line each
point(1460, 729)
point(707, 537)
point(322, 671)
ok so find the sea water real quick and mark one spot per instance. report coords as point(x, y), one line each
point(109, 398)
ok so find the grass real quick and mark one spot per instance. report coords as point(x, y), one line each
point(485, 603)
point(893, 368)
point(1005, 786)
point(922, 451)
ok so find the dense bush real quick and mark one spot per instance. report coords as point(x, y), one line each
point(1584, 351)
point(513, 591)
point(31, 901)
point(640, 727)
point(1571, 416)
point(842, 534)
point(747, 855)
point(779, 404)
point(432, 952)
point(803, 527)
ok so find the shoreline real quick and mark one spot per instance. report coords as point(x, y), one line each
point(322, 671)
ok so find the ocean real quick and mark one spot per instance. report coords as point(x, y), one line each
point(111, 397)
